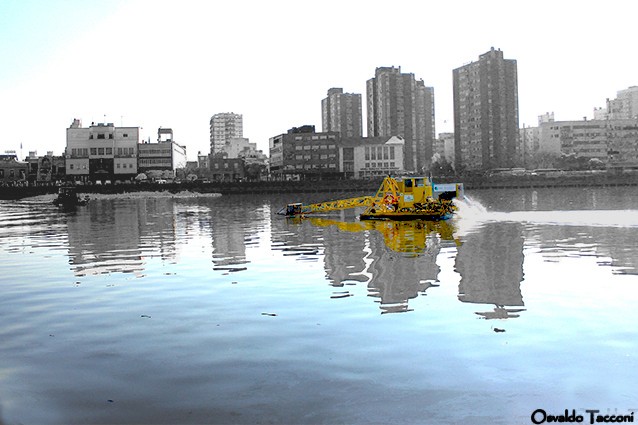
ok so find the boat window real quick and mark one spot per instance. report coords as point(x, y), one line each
point(418, 183)
point(408, 182)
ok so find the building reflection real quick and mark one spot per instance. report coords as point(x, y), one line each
point(490, 263)
point(396, 259)
point(231, 234)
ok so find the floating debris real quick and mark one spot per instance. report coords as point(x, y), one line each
point(499, 330)
point(146, 315)
point(268, 314)
point(344, 294)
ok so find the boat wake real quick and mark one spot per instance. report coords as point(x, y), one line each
point(471, 212)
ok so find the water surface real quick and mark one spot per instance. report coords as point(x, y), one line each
point(216, 310)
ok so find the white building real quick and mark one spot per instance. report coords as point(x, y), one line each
point(165, 155)
point(365, 157)
point(101, 152)
point(223, 127)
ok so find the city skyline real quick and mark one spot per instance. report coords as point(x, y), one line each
point(169, 64)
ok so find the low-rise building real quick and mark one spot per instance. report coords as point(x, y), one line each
point(224, 169)
point(164, 155)
point(101, 152)
point(46, 169)
point(303, 154)
point(12, 171)
point(614, 142)
point(369, 157)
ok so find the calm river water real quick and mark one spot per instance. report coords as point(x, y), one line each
point(218, 311)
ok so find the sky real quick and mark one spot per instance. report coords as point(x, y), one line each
point(160, 63)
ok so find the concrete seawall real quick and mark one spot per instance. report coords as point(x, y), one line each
point(359, 186)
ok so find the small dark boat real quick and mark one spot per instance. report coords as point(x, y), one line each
point(68, 197)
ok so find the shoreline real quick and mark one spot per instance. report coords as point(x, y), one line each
point(320, 186)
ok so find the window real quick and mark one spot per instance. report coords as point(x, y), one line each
point(367, 155)
point(125, 135)
point(93, 151)
point(110, 136)
point(109, 151)
point(70, 166)
point(118, 165)
point(100, 151)
point(391, 152)
point(12, 173)
point(100, 136)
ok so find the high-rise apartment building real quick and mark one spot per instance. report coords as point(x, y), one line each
point(625, 106)
point(223, 127)
point(399, 105)
point(342, 112)
point(486, 130)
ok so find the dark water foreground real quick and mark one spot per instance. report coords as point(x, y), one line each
point(217, 311)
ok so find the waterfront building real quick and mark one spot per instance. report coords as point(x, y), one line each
point(624, 106)
point(302, 154)
point(399, 105)
point(45, 168)
point(163, 155)
point(223, 127)
point(342, 112)
point(101, 152)
point(12, 171)
point(225, 169)
point(614, 142)
point(486, 113)
point(369, 157)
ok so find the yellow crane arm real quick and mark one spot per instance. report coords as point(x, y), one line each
point(340, 204)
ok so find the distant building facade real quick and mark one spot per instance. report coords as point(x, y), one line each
point(399, 105)
point(342, 112)
point(101, 152)
point(625, 106)
point(301, 153)
point(12, 171)
point(46, 168)
point(223, 127)
point(614, 142)
point(486, 132)
point(369, 157)
point(164, 155)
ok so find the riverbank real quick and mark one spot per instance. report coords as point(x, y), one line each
point(327, 186)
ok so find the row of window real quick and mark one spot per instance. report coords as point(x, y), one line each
point(84, 152)
point(103, 136)
point(313, 147)
point(313, 166)
point(12, 173)
point(317, 137)
point(154, 161)
point(379, 165)
point(216, 165)
point(316, 156)
point(83, 166)
point(379, 152)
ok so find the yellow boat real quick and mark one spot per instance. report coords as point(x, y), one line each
point(403, 198)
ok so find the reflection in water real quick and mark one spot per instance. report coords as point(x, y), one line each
point(490, 262)
point(396, 260)
point(399, 257)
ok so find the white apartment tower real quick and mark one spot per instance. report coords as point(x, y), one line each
point(223, 127)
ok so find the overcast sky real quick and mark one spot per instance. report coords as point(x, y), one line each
point(152, 63)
